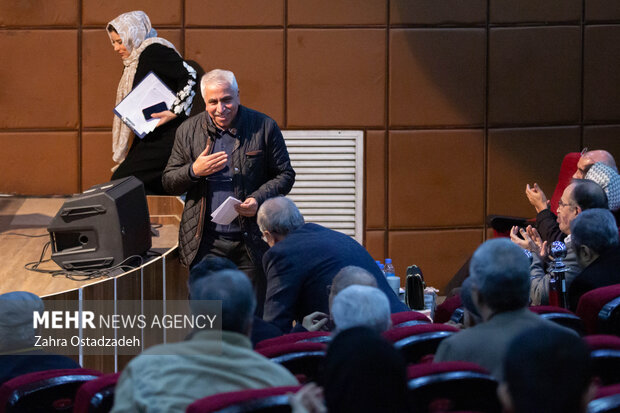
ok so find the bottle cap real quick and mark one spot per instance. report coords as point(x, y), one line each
point(388, 260)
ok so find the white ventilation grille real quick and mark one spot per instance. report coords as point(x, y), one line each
point(329, 181)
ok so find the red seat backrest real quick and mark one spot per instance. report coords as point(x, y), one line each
point(50, 389)
point(405, 316)
point(224, 400)
point(591, 303)
point(567, 170)
point(98, 387)
point(444, 311)
point(290, 338)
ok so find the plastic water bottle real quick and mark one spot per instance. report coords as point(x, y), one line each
point(391, 277)
point(388, 268)
point(379, 264)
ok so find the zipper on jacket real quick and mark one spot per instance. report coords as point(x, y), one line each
point(202, 198)
point(202, 212)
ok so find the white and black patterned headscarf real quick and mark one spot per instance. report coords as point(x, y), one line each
point(609, 180)
point(134, 29)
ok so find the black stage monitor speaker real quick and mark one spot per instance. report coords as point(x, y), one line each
point(102, 226)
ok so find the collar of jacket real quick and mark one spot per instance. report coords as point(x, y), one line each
point(214, 131)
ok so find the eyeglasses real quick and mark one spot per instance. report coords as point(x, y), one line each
point(562, 204)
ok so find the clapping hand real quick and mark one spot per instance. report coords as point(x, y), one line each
point(536, 197)
point(530, 240)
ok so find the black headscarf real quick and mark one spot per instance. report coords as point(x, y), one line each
point(364, 373)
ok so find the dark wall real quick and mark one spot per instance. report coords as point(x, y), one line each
point(462, 102)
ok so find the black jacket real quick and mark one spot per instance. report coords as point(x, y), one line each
point(604, 271)
point(301, 267)
point(261, 168)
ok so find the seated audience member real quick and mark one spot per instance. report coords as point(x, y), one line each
point(546, 371)
point(595, 240)
point(302, 262)
point(361, 306)
point(471, 317)
point(579, 196)
point(169, 377)
point(500, 287)
point(349, 275)
point(261, 330)
point(17, 338)
point(362, 373)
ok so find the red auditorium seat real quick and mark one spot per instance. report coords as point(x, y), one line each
point(451, 386)
point(605, 353)
point(408, 318)
point(301, 358)
point(273, 399)
point(607, 400)
point(415, 342)
point(561, 316)
point(307, 336)
point(44, 391)
point(592, 304)
point(444, 311)
point(96, 396)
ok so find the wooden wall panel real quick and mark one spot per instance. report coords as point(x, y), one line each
point(336, 78)
point(336, 13)
point(234, 13)
point(445, 12)
point(259, 69)
point(39, 88)
point(437, 77)
point(39, 163)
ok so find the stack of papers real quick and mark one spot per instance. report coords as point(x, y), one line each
point(149, 92)
point(225, 213)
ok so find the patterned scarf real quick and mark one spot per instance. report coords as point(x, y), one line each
point(609, 180)
point(134, 29)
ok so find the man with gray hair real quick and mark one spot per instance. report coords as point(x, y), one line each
point(349, 275)
point(168, 377)
point(361, 306)
point(227, 151)
point(500, 285)
point(302, 262)
point(18, 354)
point(595, 241)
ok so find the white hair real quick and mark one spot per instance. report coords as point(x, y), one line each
point(279, 215)
point(361, 306)
point(219, 77)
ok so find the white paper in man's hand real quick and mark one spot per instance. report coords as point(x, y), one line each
point(225, 213)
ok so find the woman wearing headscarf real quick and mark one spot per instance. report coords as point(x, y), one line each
point(142, 51)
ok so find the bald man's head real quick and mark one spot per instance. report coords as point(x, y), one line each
point(590, 158)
